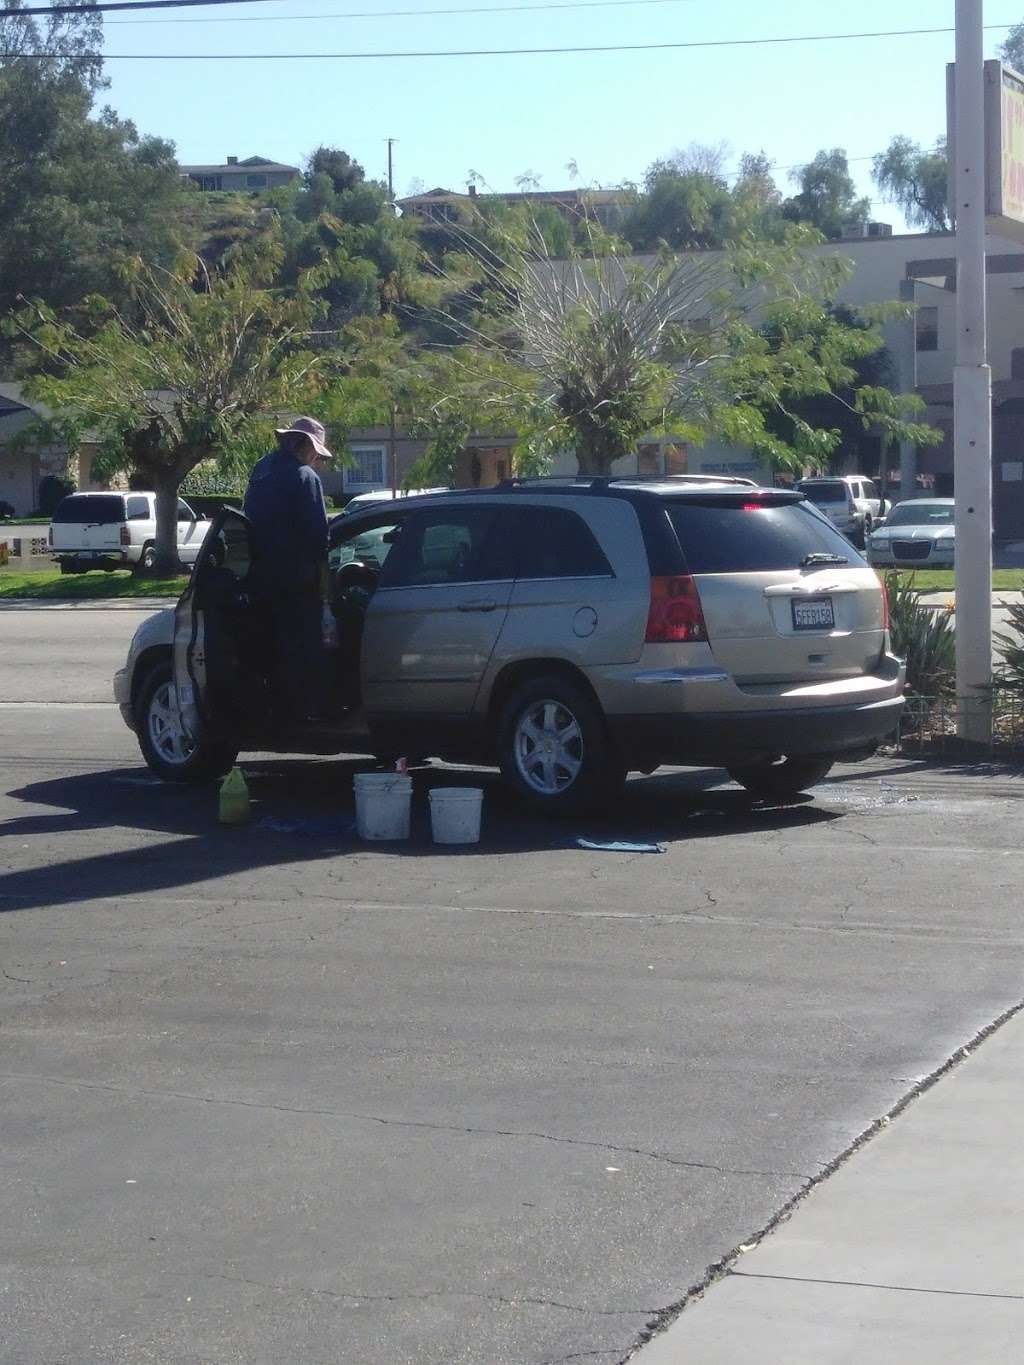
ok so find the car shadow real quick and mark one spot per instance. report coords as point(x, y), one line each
point(303, 812)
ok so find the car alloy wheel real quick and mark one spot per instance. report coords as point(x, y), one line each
point(167, 733)
point(548, 747)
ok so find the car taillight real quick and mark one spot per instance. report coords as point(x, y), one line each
point(126, 536)
point(49, 537)
point(675, 612)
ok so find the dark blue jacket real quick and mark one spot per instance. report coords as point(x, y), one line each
point(285, 504)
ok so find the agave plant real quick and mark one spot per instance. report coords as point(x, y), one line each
point(925, 638)
point(1010, 671)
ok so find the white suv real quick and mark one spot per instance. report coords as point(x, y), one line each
point(850, 501)
point(114, 530)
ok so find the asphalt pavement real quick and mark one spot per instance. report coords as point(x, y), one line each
point(269, 1094)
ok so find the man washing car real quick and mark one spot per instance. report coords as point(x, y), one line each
point(285, 505)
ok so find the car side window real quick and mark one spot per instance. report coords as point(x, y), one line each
point(138, 509)
point(545, 542)
point(367, 544)
point(185, 512)
point(869, 489)
point(444, 545)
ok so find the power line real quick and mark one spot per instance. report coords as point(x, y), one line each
point(482, 51)
point(403, 13)
point(42, 11)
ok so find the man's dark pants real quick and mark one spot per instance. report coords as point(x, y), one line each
point(300, 673)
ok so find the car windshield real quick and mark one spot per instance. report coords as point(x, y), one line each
point(824, 492)
point(920, 514)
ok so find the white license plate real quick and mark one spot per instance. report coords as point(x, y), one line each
point(813, 613)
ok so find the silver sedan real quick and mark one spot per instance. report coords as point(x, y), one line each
point(917, 534)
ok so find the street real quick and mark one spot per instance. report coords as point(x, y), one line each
point(281, 1096)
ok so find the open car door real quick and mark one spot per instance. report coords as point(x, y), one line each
point(223, 644)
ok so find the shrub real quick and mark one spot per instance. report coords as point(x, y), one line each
point(1010, 670)
point(53, 489)
point(923, 637)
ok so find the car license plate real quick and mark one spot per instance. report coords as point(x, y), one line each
point(813, 613)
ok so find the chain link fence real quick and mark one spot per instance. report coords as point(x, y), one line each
point(929, 725)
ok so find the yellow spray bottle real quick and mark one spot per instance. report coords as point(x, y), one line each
point(234, 799)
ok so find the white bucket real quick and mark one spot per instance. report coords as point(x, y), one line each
point(383, 803)
point(455, 814)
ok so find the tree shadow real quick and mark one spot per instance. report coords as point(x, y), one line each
point(315, 798)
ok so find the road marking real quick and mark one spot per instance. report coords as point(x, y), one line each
point(60, 705)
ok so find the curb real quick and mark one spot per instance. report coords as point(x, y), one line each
point(89, 604)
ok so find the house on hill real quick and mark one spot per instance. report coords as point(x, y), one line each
point(254, 173)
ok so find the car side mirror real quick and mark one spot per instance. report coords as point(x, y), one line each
point(879, 522)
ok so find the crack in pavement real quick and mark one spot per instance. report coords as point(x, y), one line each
point(354, 1296)
point(355, 1116)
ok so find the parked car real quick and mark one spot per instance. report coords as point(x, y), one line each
point(379, 495)
point(917, 534)
point(851, 501)
point(566, 633)
point(111, 530)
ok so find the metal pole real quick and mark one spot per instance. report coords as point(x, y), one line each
point(972, 391)
point(391, 171)
point(393, 452)
point(907, 366)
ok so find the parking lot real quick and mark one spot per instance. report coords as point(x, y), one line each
point(270, 1094)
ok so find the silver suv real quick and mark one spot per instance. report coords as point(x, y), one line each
point(567, 632)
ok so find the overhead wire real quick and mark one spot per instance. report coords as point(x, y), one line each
point(402, 13)
point(109, 6)
point(695, 44)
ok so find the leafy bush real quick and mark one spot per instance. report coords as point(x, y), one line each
point(922, 636)
point(52, 490)
point(1010, 671)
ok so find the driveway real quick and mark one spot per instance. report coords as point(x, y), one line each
point(276, 1095)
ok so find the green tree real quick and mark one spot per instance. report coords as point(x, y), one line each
point(190, 374)
point(917, 179)
point(77, 192)
point(1012, 50)
point(592, 355)
point(827, 198)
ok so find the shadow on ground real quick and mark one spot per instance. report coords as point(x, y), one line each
point(664, 808)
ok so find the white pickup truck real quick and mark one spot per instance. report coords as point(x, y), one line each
point(114, 530)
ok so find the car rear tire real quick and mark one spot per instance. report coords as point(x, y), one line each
point(165, 746)
point(554, 749)
point(146, 562)
point(783, 778)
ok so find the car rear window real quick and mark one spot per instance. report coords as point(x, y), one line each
point(824, 492)
point(719, 536)
point(99, 508)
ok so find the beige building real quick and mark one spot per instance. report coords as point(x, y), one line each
point(253, 174)
point(24, 464)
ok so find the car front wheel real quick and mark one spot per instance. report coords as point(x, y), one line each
point(554, 749)
point(166, 745)
point(783, 778)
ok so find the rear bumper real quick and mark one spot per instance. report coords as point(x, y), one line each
point(712, 737)
point(122, 556)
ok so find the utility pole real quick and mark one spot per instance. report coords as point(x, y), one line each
point(391, 169)
point(972, 390)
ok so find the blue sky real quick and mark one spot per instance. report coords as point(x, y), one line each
point(610, 113)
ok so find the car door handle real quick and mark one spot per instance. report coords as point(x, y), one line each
point(487, 605)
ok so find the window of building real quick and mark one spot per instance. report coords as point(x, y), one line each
point(648, 460)
point(927, 328)
point(676, 453)
point(367, 468)
point(256, 182)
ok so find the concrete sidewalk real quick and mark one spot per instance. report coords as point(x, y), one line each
point(912, 1251)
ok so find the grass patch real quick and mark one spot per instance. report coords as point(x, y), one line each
point(24, 521)
point(941, 580)
point(52, 585)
